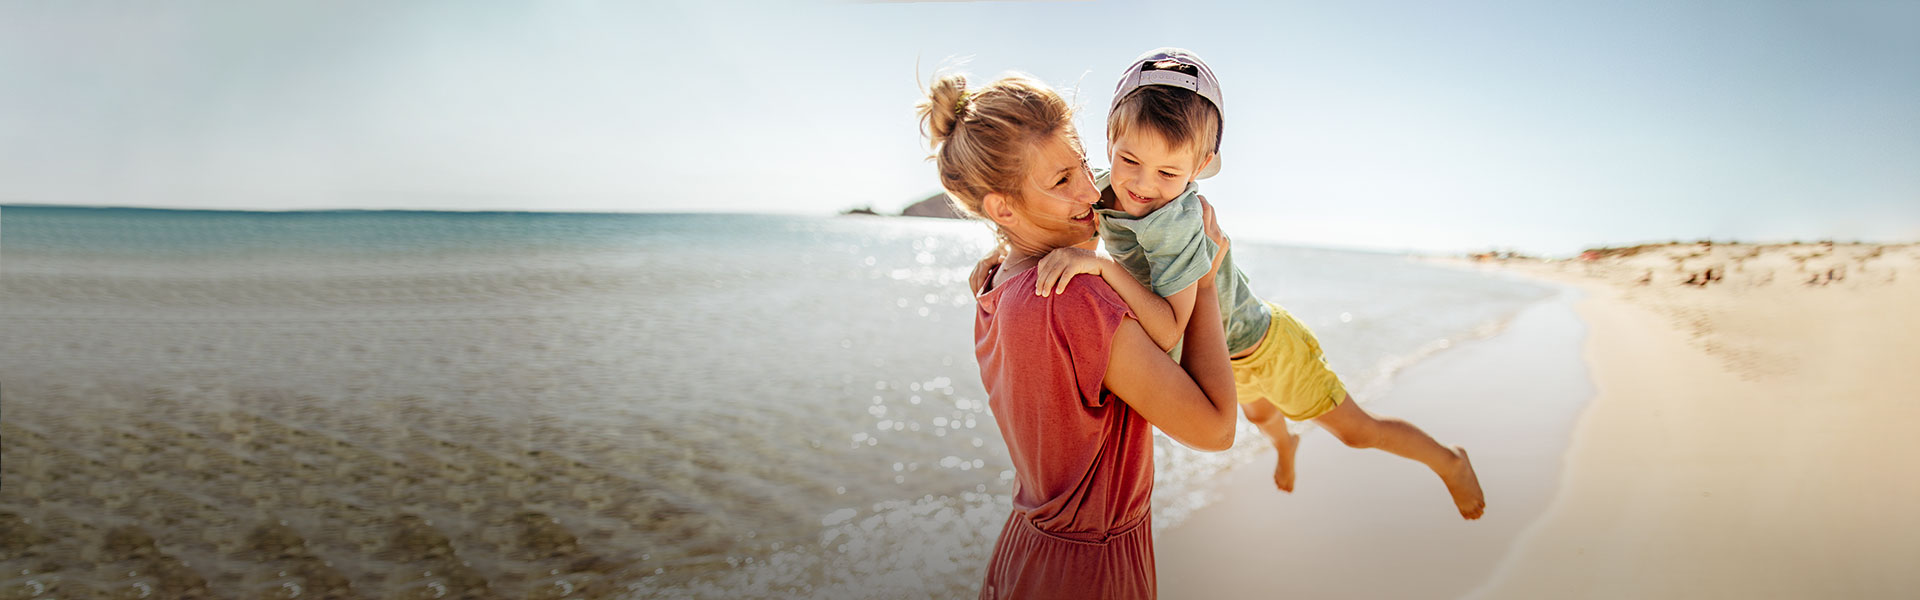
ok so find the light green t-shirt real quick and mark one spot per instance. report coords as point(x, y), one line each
point(1168, 250)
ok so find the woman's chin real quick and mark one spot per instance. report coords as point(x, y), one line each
point(1078, 236)
point(1087, 228)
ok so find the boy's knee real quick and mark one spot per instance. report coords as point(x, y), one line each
point(1259, 412)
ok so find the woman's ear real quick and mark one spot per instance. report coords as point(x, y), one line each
point(999, 208)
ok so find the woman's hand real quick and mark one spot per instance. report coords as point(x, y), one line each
point(1214, 233)
point(1058, 267)
point(978, 278)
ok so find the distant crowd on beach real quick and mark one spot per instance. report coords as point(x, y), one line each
point(1705, 263)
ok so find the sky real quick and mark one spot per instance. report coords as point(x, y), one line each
point(1543, 127)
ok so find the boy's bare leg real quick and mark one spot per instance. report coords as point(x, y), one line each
point(1357, 428)
point(1263, 415)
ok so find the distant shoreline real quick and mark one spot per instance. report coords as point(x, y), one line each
point(937, 206)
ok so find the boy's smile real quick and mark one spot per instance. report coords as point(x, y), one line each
point(1148, 173)
point(1144, 205)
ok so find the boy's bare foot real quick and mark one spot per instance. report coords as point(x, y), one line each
point(1464, 484)
point(1283, 468)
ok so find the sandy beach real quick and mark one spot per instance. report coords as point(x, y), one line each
point(1742, 437)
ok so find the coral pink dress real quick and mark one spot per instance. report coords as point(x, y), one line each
point(1083, 459)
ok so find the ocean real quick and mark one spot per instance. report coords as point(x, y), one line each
point(435, 404)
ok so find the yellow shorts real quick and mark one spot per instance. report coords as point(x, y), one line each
point(1288, 369)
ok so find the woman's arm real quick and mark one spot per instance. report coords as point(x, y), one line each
point(1194, 401)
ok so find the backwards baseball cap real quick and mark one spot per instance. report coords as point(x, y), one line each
point(1143, 73)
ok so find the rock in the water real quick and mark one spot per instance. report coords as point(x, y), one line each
point(936, 205)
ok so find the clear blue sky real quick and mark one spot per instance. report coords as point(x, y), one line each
point(1542, 126)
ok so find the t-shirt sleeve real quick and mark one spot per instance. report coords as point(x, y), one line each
point(1084, 320)
point(1178, 249)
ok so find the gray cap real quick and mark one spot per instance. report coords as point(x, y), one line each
point(1142, 73)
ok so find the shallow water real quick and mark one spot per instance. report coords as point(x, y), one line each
point(542, 405)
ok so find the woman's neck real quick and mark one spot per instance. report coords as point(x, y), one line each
point(1017, 262)
point(1020, 256)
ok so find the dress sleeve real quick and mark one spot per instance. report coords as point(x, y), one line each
point(1084, 320)
point(1178, 249)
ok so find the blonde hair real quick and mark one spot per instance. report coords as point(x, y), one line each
point(1181, 117)
point(983, 137)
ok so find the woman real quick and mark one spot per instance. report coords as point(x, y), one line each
point(1073, 379)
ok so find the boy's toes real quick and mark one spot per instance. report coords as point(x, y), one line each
point(1474, 512)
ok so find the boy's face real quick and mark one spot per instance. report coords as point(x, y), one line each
point(1147, 172)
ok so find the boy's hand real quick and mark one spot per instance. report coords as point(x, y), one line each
point(1059, 266)
point(1214, 233)
point(978, 277)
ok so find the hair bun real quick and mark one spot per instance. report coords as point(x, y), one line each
point(943, 107)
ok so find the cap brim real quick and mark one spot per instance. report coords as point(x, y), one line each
point(1213, 168)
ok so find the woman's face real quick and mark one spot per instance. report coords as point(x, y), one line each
point(1056, 205)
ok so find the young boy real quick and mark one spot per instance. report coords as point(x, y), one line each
point(1163, 132)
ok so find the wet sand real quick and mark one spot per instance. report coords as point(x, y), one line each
point(124, 492)
point(282, 436)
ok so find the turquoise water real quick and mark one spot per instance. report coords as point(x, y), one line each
point(637, 405)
